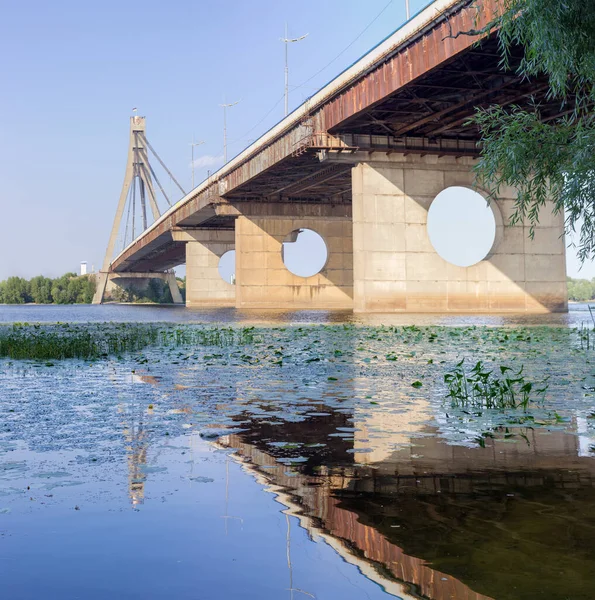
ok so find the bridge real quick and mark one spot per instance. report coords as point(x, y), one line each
point(394, 512)
point(360, 163)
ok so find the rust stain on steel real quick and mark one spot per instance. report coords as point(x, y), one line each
point(427, 52)
point(404, 65)
point(410, 62)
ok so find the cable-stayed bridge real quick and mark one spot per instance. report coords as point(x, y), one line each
point(360, 163)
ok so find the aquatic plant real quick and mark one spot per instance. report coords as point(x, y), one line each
point(481, 388)
point(91, 341)
point(584, 334)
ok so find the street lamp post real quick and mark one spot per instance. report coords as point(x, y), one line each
point(407, 8)
point(192, 163)
point(225, 107)
point(288, 41)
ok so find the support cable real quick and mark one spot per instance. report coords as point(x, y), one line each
point(150, 188)
point(141, 133)
point(133, 201)
point(143, 201)
point(129, 200)
point(141, 186)
point(146, 161)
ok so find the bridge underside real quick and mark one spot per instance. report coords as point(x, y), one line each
point(373, 172)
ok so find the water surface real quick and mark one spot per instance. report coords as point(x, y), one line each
point(83, 313)
point(304, 464)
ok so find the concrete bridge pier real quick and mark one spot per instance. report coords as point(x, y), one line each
point(108, 283)
point(263, 280)
point(396, 268)
point(204, 248)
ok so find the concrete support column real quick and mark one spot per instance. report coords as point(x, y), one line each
point(263, 281)
point(204, 247)
point(176, 295)
point(397, 269)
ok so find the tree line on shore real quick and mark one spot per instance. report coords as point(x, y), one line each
point(71, 288)
point(67, 289)
point(581, 290)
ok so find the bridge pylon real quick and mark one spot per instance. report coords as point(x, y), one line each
point(138, 190)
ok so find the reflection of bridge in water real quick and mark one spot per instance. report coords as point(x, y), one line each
point(450, 521)
point(136, 421)
point(421, 517)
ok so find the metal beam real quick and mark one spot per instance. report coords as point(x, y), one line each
point(441, 113)
point(462, 119)
point(306, 179)
point(330, 177)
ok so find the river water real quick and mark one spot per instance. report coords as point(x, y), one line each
point(123, 313)
point(321, 459)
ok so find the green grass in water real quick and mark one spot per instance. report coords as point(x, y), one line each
point(482, 388)
point(64, 340)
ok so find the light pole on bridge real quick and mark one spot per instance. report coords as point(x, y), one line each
point(193, 144)
point(288, 41)
point(225, 107)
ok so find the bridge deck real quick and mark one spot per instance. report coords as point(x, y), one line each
point(413, 93)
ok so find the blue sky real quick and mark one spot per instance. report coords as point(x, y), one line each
point(72, 72)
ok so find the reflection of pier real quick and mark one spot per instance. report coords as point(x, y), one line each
point(504, 459)
point(134, 418)
point(454, 522)
point(226, 517)
point(136, 451)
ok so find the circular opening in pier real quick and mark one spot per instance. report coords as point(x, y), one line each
point(461, 226)
point(304, 252)
point(227, 267)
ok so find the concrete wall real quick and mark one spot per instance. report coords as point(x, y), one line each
point(263, 281)
point(137, 283)
point(397, 269)
point(204, 285)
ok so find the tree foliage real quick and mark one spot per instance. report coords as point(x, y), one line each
point(68, 289)
point(554, 158)
point(40, 289)
point(581, 290)
point(73, 289)
point(15, 290)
